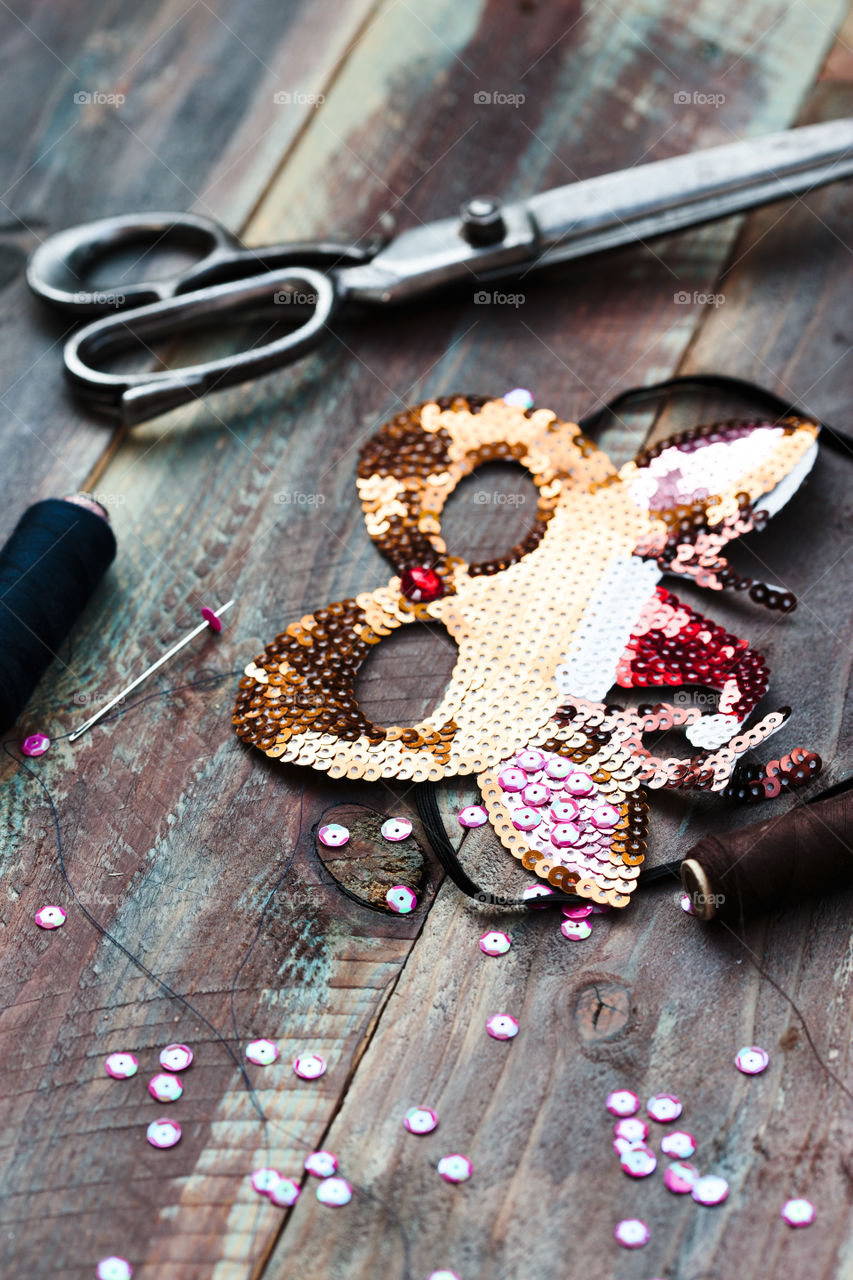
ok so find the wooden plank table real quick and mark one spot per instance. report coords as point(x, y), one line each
point(175, 836)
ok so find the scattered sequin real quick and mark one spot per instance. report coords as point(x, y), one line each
point(36, 744)
point(577, 913)
point(798, 1213)
point(495, 943)
point(442, 1275)
point(309, 1066)
point(632, 1128)
point(534, 891)
point(333, 835)
point(752, 1060)
point(50, 917)
point(576, 929)
point(420, 1120)
point(632, 1233)
point(664, 1107)
point(710, 1190)
point(165, 1088)
point(638, 1161)
point(401, 899)
point(455, 1168)
point(502, 1027)
point(687, 904)
point(680, 1177)
point(285, 1193)
point(262, 1052)
point(322, 1164)
point(396, 829)
point(176, 1057)
point(678, 1145)
point(622, 1103)
point(473, 815)
point(114, 1269)
point(121, 1066)
point(163, 1133)
point(334, 1192)
point(265, 1180)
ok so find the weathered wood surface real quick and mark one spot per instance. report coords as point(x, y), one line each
point(175, 836)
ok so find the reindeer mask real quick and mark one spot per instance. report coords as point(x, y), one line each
point(546, 632)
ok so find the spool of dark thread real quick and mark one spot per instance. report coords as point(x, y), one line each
point(58, 553)
point(772, 864)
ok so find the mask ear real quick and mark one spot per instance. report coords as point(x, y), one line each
point(704, 487)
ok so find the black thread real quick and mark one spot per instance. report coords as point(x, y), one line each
point(833, 437)
point(56, 556)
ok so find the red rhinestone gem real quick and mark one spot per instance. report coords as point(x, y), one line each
point(421, 584)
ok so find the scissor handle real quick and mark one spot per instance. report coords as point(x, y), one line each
point(134, 397)
point(58, 266)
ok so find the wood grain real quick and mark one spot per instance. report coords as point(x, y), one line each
point(175, 836)
point(199, 128)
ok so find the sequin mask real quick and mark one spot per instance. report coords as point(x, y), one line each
point(546, 632)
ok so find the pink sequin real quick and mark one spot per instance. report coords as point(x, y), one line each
point(678, 1145)
point(36, 744)
point(114, 1269)
point(334, 1192)
point(664, 1107)
point(575, 930)
point(322, 1164)
point(165, 1087)
point(50, 917)
point(176, 1057)
point(632, 1233)
point(710, 1190)
point(420, 1120)
point(798, 1213)
point(163, 1133)
point(309, 1066)
point(333, 835)
point(473, 815)
point(262, 1052)
point(285, 1193)
point(622, 1102)
point(502, 1027)
point(495, 943)
point(121, 1066)
point(401, 899)
point(455, 1168)
point(638, 1161)
point(680, 1178)
point(752, 1060)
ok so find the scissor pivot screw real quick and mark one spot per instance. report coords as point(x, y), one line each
point(482, 221)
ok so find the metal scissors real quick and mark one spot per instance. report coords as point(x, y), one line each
point(488, 240)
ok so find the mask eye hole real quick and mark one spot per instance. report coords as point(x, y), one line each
point(404, 677)
point(490, 512)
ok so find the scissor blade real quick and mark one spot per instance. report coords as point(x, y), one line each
point(667, 195)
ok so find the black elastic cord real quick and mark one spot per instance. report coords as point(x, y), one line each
point(832, 437)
